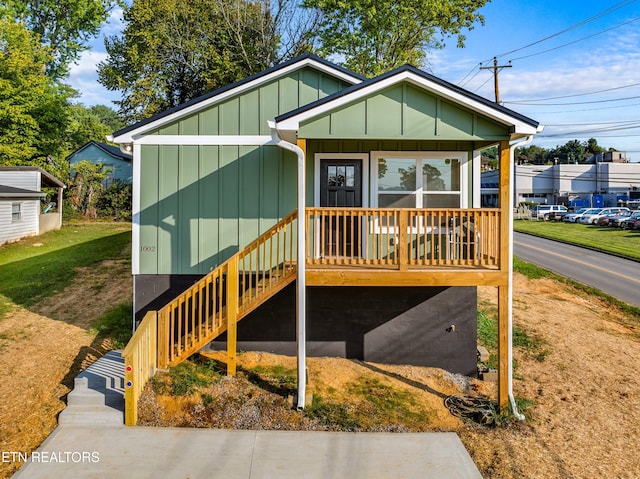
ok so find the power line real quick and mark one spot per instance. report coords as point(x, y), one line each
point(564, 112)
point(575, 41)
point(574, 103)
point(613, 8)
point(593, 123)
point(578, 94)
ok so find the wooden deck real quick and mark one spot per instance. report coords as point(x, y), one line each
point(343, 247)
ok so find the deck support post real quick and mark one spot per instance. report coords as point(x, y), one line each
point(504, 290)
point(232, 315)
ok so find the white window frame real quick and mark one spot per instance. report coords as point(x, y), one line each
point(418, 156)
point(461, 156)
point(19, 212)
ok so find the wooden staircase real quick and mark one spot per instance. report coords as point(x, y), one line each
point(227, 294)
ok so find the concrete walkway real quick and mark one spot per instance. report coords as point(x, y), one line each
point(91, 442)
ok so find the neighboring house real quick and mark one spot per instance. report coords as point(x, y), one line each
point(385, 175)
point(20, 203)
point(115, 162)
point(596, 184)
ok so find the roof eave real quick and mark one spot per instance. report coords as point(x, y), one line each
point(133, 132)
point(291, 121)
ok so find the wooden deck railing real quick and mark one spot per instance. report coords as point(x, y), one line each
point(227, 294)
point(336, 237)
point(140, 363)
point(402, 238)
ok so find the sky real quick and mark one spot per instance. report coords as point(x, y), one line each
point(575, 67)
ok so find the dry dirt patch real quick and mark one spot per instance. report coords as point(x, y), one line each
point(584, 419)
point(42, 350)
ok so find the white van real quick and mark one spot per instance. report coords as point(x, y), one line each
point(546, 212)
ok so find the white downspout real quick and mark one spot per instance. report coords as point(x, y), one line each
point(301, 260)
point(514, 408)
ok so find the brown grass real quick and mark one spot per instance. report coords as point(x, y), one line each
point(584, 418)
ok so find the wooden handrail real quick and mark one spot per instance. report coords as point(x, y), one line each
point(233, 289)
point(140, 363)
point(403, 238)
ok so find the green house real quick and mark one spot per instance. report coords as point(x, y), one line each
point(333, 214)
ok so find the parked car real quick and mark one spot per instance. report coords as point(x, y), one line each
point(632, 222)
point(592, 219)
point(550, 212)
point(615, 220)
point(571, 217)
point(589, 211)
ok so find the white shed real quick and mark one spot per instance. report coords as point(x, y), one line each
point(20, 203)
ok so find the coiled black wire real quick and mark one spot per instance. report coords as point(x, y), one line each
point(475, 408)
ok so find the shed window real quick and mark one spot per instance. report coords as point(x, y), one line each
point(16, 212)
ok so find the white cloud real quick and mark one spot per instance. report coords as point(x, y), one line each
point(83, 77)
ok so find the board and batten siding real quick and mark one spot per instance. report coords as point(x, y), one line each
point(28, 224)
point(404, 112)
point(200, 204)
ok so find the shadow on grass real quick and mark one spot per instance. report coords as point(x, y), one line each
point(410, 382)
point(28, 281)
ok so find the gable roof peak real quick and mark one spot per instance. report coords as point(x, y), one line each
point(307, 59)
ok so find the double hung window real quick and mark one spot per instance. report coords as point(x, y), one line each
point(16, 212)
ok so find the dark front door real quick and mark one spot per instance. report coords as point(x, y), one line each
point(341, 187)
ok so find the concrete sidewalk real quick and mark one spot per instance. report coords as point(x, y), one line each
point(138, 452)
point(92, 442)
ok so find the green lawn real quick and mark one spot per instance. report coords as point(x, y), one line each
point(37, 267)
point(612, 240)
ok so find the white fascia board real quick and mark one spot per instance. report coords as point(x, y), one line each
point(134, 135)
point(186, 140)
point(293, 123)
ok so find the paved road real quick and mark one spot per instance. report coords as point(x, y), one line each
point(616, 276)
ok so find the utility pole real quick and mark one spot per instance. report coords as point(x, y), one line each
point(496, 68)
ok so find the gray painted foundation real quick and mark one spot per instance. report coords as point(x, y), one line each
point(424, 326)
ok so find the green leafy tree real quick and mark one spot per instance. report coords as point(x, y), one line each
point(33, 108)
point(374, 36)
point(531, 154)
point(63, 26)
point(115, 201)
point(172, 51)
point(87, 187)
point(593, 148)
point(87, 124)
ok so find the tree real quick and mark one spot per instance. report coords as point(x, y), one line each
point(88, 124)
point(593, 148)
point(63, 26)
point(374, 36)
point(33, 108)
point(87, 187)
point(172, 51)
point(531, 154)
